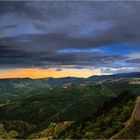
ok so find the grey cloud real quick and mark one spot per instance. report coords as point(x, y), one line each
point(19, 58)
point(137, 60)
point(67, 25)
point(106, 70)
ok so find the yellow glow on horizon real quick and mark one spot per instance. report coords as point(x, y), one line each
point(51, 72)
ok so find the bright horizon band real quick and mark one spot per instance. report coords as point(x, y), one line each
point(51, 72)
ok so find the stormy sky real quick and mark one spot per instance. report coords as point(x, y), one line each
point(101, 35)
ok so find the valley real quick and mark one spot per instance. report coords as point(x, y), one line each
point(73, 108)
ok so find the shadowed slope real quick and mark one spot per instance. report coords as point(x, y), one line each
point(132, 128)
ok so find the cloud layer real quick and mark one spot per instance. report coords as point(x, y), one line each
point(92, 34)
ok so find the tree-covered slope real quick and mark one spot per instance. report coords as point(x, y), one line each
point(107, 121)
point(78, 111)
point(22, 85)
point(132, 128)
point(71, 103)
point(131, 132)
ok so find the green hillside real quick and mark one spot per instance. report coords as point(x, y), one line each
point(44, 106)
point(71, 103)
point(132, 128)
point(132, 132)
point(84, 111)
point(108, 121)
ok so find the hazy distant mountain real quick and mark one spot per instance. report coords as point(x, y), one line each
point(20, 85)
point(115, 76)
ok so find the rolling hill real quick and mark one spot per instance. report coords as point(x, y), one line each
point(96, 107)
point(22, 85)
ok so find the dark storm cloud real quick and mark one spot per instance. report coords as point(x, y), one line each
point(34, 33)
point(16, 58)
point(50, 41)
point(11, 6)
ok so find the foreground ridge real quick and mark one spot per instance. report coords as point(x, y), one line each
point(134, 120)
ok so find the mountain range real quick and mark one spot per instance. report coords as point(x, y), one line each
point(20, 85)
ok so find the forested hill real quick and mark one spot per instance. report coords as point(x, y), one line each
point(22, 85)
point(73, 110)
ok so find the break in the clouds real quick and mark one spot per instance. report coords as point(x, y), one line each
point(82, 34)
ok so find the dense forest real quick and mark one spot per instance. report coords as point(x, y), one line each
point(69, 110)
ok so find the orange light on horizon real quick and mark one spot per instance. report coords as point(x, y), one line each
point(51, 72)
